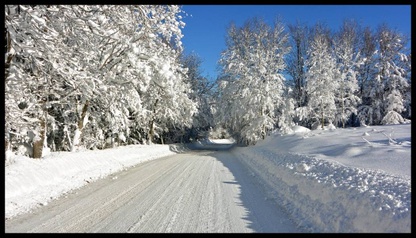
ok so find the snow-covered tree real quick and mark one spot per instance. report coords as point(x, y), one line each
point(390, 81)
point(87, 69)
point(347, 63)
point(286, 112)
point(366, 75)
point(295, 61)
point(407, 66)
point(367, 49)
point(30, 86)
point(321, 80)
point(201, 93)
point(253, 63)
point(166, 96)
point(222, 94)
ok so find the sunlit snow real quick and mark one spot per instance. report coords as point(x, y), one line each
point(339, 180)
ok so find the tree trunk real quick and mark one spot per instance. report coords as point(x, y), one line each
point(9, 57)
point(80, 126)
point(299, 72)
point(322, 115)
point(151, 133)
point(38, 144)
point(7, 143)
point(342, 105)
point(343, 112)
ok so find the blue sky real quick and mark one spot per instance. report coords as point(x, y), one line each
point(206, 25)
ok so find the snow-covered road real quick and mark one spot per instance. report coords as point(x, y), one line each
point(197, 191)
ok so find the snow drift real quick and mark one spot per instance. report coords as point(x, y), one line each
point(324, 195)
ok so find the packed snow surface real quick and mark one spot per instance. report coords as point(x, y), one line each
point(197, 191)
point(332, 180)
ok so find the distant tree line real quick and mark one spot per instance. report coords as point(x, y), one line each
point(276, 77)
point(94, 77)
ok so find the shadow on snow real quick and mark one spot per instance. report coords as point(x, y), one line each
point(262, 213)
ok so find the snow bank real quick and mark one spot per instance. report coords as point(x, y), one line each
point(300, 130)
point(326, 195)
point(222, 141)
point(34, 182)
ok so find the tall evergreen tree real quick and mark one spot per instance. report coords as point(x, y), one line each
point(391, 76)
point(348, 62)
point(322, 82)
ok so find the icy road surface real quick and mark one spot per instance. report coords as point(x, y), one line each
point(198, 191)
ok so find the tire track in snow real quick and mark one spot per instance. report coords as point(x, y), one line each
point(81, 205)
point(175, 179)
point(193, 192)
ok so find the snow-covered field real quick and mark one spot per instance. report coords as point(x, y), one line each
point(334, 180)
point(338, 180)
